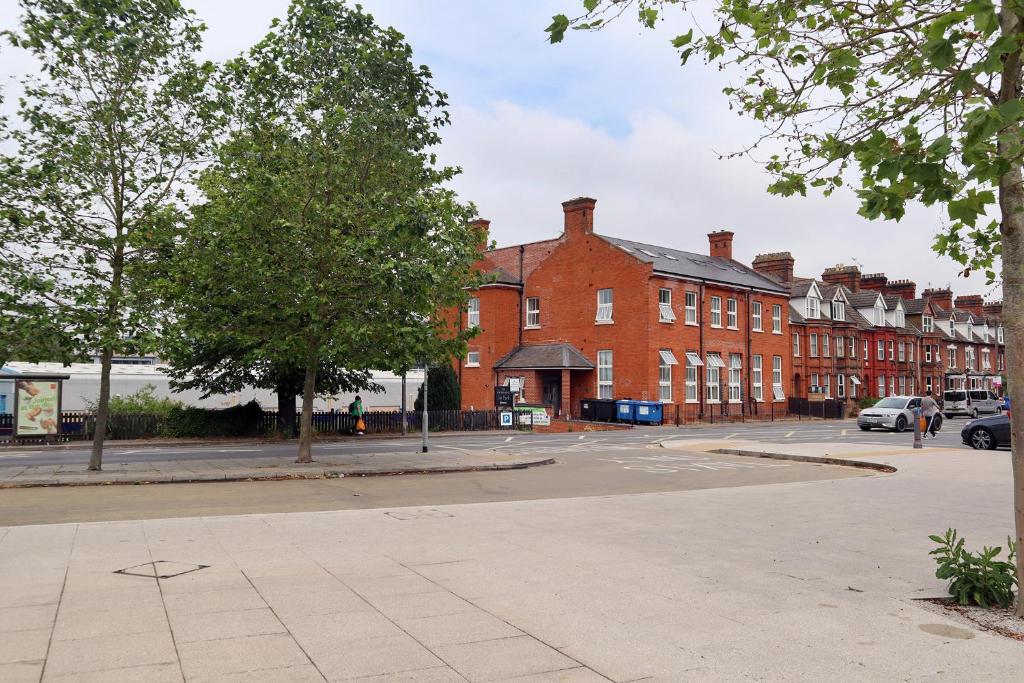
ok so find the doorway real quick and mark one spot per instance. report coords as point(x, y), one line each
point(552, 393)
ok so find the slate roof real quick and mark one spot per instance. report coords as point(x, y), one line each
point(500, 276)
point(795, 316)
point(863, 299)
point(914, 306)
point(698, 266)
point(545, 356)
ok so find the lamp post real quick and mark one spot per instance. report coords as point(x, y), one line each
point(426, 413)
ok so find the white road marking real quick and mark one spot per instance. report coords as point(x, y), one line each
point(790, 434)
point(732, 435)
point(582, 436)
point(508, 439)
point(16, 455)
point(843, 432)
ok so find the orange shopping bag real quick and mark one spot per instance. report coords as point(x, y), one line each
point(360, 425)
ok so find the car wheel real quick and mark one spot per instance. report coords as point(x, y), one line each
point(901, 423)
point(866, 428)
point(983, 439)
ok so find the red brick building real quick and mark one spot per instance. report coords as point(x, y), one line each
point(591, 316)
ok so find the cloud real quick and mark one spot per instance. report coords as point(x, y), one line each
point(662, 182)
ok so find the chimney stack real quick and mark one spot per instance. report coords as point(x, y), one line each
point(848, 276)
point(972, 303)
point(874, 281)
point(483, 228)
point(778, 265)
point(579, 216)
point(906, 289)
point(721, 244)
point(943, 298)
point(993, 309)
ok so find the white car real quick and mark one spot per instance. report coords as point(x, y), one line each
point(895, 413)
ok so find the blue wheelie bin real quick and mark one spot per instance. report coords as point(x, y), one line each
point(625, 411)
point(648, 412)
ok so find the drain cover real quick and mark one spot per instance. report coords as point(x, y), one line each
point(161, 569)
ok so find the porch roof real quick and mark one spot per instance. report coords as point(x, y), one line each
point(545, 357)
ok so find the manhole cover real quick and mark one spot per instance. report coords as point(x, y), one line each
point(161, 569)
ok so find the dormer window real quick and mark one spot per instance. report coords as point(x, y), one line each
point(838, 311)
point(813, 307)
point(928, 323)
point(901, 319)
point(879, 314)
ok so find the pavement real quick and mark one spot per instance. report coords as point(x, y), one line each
point(213, 469)
point(790, 580)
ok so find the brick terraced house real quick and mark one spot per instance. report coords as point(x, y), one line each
point(591, 316)
point(585, 315)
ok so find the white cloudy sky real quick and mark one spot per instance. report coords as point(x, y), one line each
point(610, 115)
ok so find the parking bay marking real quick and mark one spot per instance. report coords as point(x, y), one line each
point(669, 464)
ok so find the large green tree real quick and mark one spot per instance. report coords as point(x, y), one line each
point(913, 100)
point(325, 237)
point(109, 129)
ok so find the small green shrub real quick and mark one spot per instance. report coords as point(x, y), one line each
point(142, 402)
point(241, 420)
point(978, 579)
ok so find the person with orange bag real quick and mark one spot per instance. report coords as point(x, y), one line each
point(356, 408)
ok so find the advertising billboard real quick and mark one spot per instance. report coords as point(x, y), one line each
point(36, 407)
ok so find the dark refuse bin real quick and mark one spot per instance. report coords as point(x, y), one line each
point(598, 409)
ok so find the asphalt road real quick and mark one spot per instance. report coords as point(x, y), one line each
point(614, 467)
point(796, 432)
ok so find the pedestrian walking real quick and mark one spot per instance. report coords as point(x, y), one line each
point(930, 409)
point(356, 409)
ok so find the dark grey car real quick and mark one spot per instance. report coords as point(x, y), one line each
point(987, 433)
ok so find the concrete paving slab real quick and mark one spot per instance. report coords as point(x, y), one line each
point(454, 629)
point(87, 655)
point(191, 628)
point(125, 619)
point(155, 673)
point(490, 660)
point(21, 672)
point(390, 655)
point(440, 674)
point(207, 602)
point(421, 605)
point(292, 674)
point(27, 618)
point(575, 675)
point(24, 646)
point(236, 655)
point(327, 629)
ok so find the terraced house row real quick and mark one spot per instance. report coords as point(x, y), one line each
point(585, 315)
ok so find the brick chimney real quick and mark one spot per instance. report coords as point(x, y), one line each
point(943, 298)
point(483, 228)
point(778, 264)
point(905, 289)
point(874, 281)
point(848, 276)
point(993, 309)
point(721, 244)
point(579, 216)
point(970, 302)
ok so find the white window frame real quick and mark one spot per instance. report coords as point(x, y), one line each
point(796, 345)
point(825, 347)
point(951, 356)
point(812, 344)
point(813, 382)
point(735, 378)
point(665, 312)
point(731, 314)
point(852, 347)
point(879, 314)
point(691, 307)
point(910, 352)
point(605, 308)
point(928, 323)
point(716, 311)
point(892, 350)
point(605, 381)
point(755, 316)
point(903, 385)
point(881, 349)
point(903, 352)
point(881, 386)
point(470, 362)
point(691, 376)
point(840, 385)
point(866, 351)
point(712, 388)
point(473, 312)
point(776, 319)
point(999, 334)
point(665, 375)
point(927, 353)
point(901, 318)
point(813, 307)
point(757, 377)
point(840, 347)
point(839, 311)
point(828, 385)
point(892, 385)
point(778, 392)
point(532, 312)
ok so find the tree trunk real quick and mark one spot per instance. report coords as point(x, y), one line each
point(102, 412)
point(286, 409)
point(306, 426)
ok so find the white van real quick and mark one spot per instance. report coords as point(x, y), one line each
point(971, 403)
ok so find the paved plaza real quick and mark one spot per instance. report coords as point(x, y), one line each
point(800, 580)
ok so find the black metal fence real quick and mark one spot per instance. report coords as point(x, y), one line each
point(714, 413)
point(829, 409)
point(77, 426)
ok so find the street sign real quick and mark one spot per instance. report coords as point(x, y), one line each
point(502, 397)
point(506, 419)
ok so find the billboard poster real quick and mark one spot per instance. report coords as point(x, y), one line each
point(37, 407)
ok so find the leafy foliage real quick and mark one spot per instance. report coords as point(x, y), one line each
point(241, 420)
point(109, 132)
point(142, 402)
point(444, 392)
point(325, 238)
point(978, 579)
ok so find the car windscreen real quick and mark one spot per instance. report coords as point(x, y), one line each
point(955, 396)
point(898, 403)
